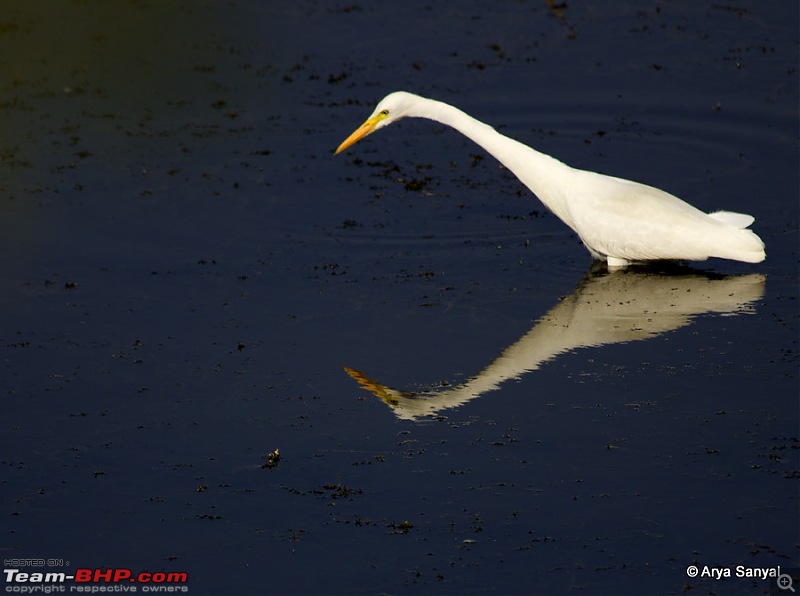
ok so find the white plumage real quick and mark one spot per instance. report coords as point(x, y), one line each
point(618, 220)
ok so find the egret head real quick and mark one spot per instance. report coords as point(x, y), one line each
point(390, 109)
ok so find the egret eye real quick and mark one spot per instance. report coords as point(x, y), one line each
point(384, 112)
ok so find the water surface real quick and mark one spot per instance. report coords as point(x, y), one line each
point(190, 273)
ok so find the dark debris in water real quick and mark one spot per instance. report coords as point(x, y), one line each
point(273, 459)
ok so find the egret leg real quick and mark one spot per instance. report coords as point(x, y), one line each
point(615, 263)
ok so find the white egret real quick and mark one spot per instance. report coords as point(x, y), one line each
point(619, 221)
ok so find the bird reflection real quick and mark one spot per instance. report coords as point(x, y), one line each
point(606, 308)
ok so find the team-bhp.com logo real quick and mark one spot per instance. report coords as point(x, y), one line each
point(94, 580)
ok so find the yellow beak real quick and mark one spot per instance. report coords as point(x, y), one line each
point(360, 133)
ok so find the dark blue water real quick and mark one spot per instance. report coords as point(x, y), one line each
point(189, 273)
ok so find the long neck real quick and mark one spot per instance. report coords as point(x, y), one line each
point(534, 169)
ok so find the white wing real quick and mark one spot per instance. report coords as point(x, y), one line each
point(627, 220)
